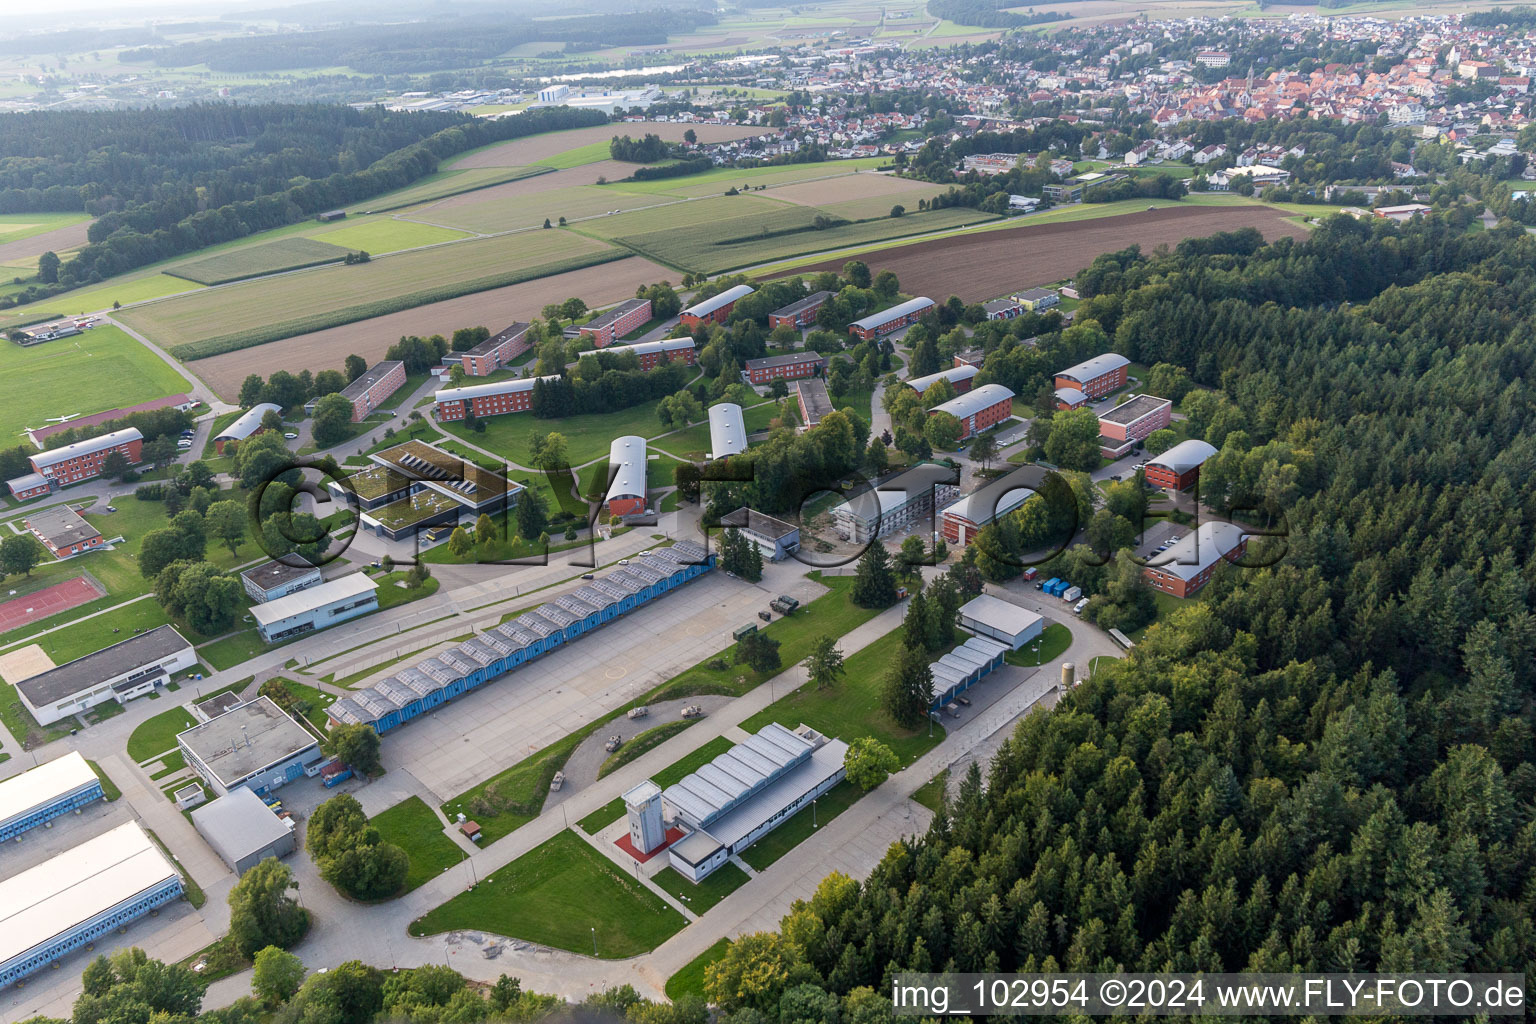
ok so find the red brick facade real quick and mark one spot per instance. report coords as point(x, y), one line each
point(1168, 480)
point(491, 355)
point(802, 364)
point(371, 390)
point(626, 506)
point(617, 322)
point(1177, 586)
point(88, 464)
point(1096, 387)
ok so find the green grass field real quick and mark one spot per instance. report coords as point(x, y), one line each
point(492, 212)
point(158, 734)
point(644, 743)
point(716, 182)
point(689, 980)
point(693, 443)
point(258, 260)
point(588, 436)
point(801, 827)
point(224, 319)
point(580, 156)
point(101, 369)
point(413, 827)
point(562, 894)
point(723, 881)
point(931, 793)
point(722, 212)
point(377, 237)
point(448, 183)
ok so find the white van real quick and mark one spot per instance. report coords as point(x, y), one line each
point(1077, 609)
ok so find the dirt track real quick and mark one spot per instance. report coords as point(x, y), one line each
point(325, 350)
point(522, 152)
point(987, 264)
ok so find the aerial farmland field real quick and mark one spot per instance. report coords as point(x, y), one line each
point(504, 210)
point(541, 149)
point(448, 183)
point(256, 260)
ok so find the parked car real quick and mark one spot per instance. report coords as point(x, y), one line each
point(623, 561)
point(111, 508)
point(1077, 609)
point(693, 711)
point(556, 782)
point(1039, 585)
point(645, 552)
point(964, 700)
point(588, 576)
point(732, 575)
point(639, 712)
point(613, 743)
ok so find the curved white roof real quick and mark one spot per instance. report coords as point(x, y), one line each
point(974, 401)
point(707, 306)
point(955, 374)
point(885, 316)
point(642, 348)
point(1193, 553)
point(89, 446)
point(500, 387)
point(248, 423)
point(626, 461)
point(1184, 456)
point(1092, 369)
point(727, 430)
point(1072, 396)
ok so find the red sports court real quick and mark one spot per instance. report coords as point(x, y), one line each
point(61, 597)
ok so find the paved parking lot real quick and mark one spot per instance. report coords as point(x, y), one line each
point(1161, 533)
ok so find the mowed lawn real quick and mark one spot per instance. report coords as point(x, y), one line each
point(563, 894)
point(588, 437)
point(252, 304)
point(716, 212)
point(447, 183)
point(253, 261)
point(100, 369)
point(716, 182)
point(413, 827)
point(377, 237)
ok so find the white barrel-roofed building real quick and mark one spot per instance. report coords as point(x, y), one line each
point(727, 430)
point(248, 425)
point(626, 465)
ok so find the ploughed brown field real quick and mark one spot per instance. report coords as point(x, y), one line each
point(534, 148)
point(987, 264)
point(495, 309)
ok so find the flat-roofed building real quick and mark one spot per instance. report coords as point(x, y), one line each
point(62, 531)
point(775, 538)
point(52, 789)
point(716, 308)
point(979, 408)
point(609, 327)
point(748, 791)
point(253, 745)
point(243, 830)
point(727, 430)
point(1179, 467)
point(814, 401)
point(667, 350)
point(791, 366)
point(1003, 621)
point(1037, 300)
point(1128, 424)
point(83, 460)
point(374, 387)
point(799, 314)
point(83, 894)
point(440, 488)
point(246, 426)
point(121, 672)
point(971, 357)
point(626, 465)
point(961, 520)
point(318, 607)
point(1095, 377)
point(960, 378)
point(1002, 309)
point(279, 578)
point(895, 504)
point(485, 400)
point(887, 321)
point(1188, 563)
point(496, 351)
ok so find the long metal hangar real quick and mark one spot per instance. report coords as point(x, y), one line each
point(496, 652)
point(53, 788)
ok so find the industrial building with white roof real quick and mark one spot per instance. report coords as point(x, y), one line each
point(626, 466)
point(52, 789)
point(79, 896)
point(255, 745)
point(121, 672)
point(248, 425)
point(727, 430)
point(959, 377)
point(318, 607)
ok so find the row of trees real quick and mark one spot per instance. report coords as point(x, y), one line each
point(290, 390)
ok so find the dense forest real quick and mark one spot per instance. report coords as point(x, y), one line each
point(167, 182)
point(422, 47)
point(989, 13)
point(1325, 763)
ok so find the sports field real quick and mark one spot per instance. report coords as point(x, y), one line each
point(60, 597)
point(222, 312)
point(101, 369)
point(257, 260)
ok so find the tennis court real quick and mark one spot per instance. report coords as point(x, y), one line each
point(40, 604)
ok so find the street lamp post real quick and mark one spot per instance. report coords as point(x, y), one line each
point(594, 940)
point(813, 814)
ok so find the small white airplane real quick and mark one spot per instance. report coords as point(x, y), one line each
point(61, 419)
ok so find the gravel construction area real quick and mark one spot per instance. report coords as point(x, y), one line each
point(522, 152)
point(581, 768)
point(986, 264)
point(325, 350)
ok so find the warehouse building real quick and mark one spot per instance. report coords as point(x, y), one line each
point(414, 691)
point(62, 531)
point(247, 426)
point(243, 830)
point(609, 327)
point(626, 465)
point(978, 409)
point(483, 400)
point(814, 401)
point(494, 352)
point(254, 745)
point(961, 520)
point(715, 309)
point(1187, 566)
point(903, 314)
point(73, 463)
point(799, 314)
point(128, 669)
point(748, 791)
point(52, 789)
point(374, 387)
point(786, 367)
point(727, 430)
point(318, 607)
point(275, 579)
point(1128, 424)
point(1095, 377)
point(964, 667)
point(775, 538)
point(1003, 621)
point(1178, 468)
point(668, 350)
point(82, 895)
point(895, 505)
point(959, 377)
